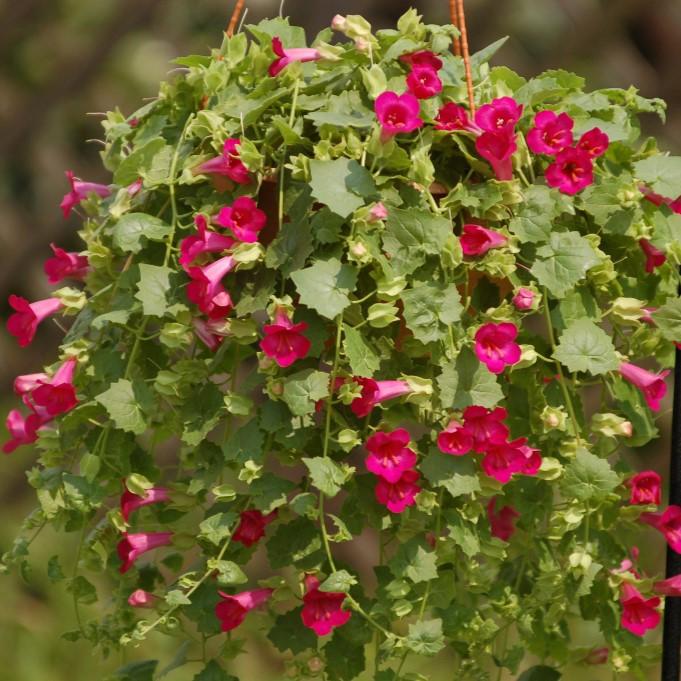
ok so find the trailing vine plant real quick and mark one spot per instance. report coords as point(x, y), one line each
point(331, 316)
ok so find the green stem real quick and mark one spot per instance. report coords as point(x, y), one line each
point(438, 529)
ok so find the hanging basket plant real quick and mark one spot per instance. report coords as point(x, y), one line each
point(355, 360)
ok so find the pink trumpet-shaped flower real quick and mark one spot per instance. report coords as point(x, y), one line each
point(423, 82)
point(322, 610)
point(455, 439)
point(595, 142)
point(79, 192)
point(132, 546)
point(65, 265)
point(375, 392)
point(654, 256)
point(638, 613)
point(131, 502)
point(142, 599)
point(524, 299)
point(389, 455)
point(499, 115)
point(286, 57)
point(204, 241)
point(251, 527)
point(495, 346)
point(228, 164)
point(532, 461)
point(24, 322)
point(397, 113)
point(669, 523)
point(668, 587)
point(423, 58)
point(477, 240)
point(658, 199)
point(284, 341)
point(232, 610)
point(23, 430)
point(453, 116)
point(551, 133)
point(652, 385)
point(485, 426)
point(27, 383)
point(397, 496)
point(56, 395)
point(206, 332)
point(243, 218)
point(571, 171)
point(502, 522)
point(206, 289)
point(497, 148)
point(646, 488)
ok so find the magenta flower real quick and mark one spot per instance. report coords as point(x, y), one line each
point(389, 455)
point(477, 240)
point(495, 346)
point(284, 341)
point(132, 546)
point(551, 133)
point(378, 212)
point(571, 172)
point(206, 289)
point(232, 610)
point(24, 322)
point(375, 392)
point(500, 114)
point(205, 331)
point(638, 614)
point(658, 199)
point(322, 610)
point(654, 256)
point(595, 142)
point(23, 431)
point(423, 58)
point(454, 117)
point(251, 527)
point(397, 496)
point(243, 218)
point(645, 488)
point(397, 113)
point(485, 426)
point(455, 439)
point(667, 522)
point(502, 522)
point(651, 385)
point(142, 599)
point(533, 460)
point(65, 265)
point(27, 383)
point(228, 164)
point(423, 82)
point(56, 395)
point(286, 57)
point(502, 461)
point(524, 299)
point(497, 148)
point(79, 192)
point(668, 587)
point(192, 247)
point(131, 502)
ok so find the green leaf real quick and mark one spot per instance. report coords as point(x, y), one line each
point(325, 285)
point(426, 638)
point(362, 358)
point(540, 673)
point(343, 184)
point(229, 572)
point(584, 346)
point(667, 318)
point(132, 228)
point(214, 672)
point(563, 262)
point(176, 597)
point(633, 405)
point(289, 633)
point(429, 309)
point(303, 389)
point(138, 162)
point(414, 562)
point(217, 527)
point(327, 476)
point(338, 582)
point(457, 474)
point(293, 542)
point(122, 402)
point(588, 477)
point(533, 221)
point(412, 234)
point(270, 491)
point(470, 382)
point(152, 289)
point(289, 251)
point(661, 173)
point(136, 671)
point(602, 200)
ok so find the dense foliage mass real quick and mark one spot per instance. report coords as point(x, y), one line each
point(327, 307)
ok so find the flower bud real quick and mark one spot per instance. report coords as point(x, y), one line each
point(597, 656)
point(525, 299)
point(358, 251)
point(554, 418)
point(611, 425)
point(362, 45)
point(315, 664)
point(628, 309)
point(378, 212)
point(339, 23)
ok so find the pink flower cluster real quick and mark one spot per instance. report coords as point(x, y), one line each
point(423, 81)
point(484, 431)
point(572, 168)
point(394, 463)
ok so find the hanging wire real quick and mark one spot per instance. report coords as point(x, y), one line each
point(235, 17)
point(461, 23)
point(453, 14)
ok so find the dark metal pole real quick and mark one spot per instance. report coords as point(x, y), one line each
point(671, 642)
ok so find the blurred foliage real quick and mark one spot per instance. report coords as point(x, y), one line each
point(62, 58)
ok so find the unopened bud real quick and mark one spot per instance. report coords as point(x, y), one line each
point(339, 23)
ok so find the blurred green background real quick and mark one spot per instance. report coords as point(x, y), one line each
point(61, 61)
